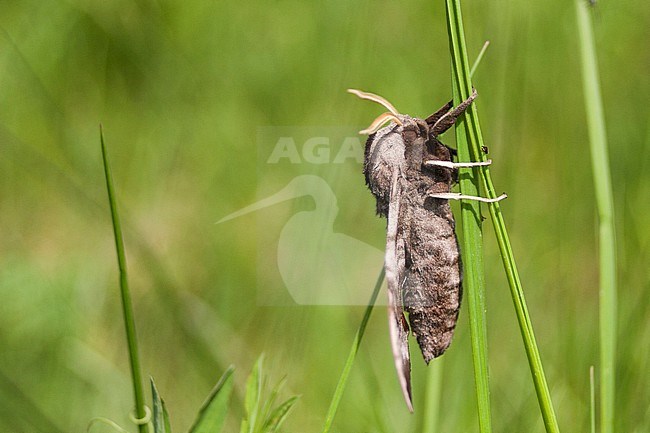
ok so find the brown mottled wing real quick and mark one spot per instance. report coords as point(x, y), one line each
point(394, 265)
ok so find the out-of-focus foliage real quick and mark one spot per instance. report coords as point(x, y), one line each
point(183, 90)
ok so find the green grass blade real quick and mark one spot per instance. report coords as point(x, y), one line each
point(212, 414)
point(592, 400)
point(278, 416)
point(605, 205)
point(472, 247)
point(161, 422)
point(462, 77)
point(253, 395)
point(127, 307)
point(474, 276)
point(345, 374)
point(431, 415)
point(268, 405)
point(479, 58)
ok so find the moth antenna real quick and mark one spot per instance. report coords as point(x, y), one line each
point(375, 98)
point(379, 122)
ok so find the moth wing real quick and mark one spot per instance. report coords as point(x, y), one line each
point(394, 266)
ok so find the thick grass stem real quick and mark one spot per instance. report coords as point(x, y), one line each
point(472, 240)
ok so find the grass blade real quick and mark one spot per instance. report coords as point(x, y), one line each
point(127, 307)
point(605, 205)
point(474, 275)
point(479, 58)
point(253, 395)
point(462, 78)
point(161, 422)
point(268, 405)
point(431, 415)
point(278, 416)
point(213, 413)
point(592, 400)
point(472, 248)
point(345, 374)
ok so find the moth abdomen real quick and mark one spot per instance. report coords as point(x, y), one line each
point(432, 288)
point(433, 329)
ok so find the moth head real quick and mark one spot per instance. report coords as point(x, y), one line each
point(391, 115)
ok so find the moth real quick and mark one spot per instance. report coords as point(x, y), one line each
point(410, 173)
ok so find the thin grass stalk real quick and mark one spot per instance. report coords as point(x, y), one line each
point(431, 415)
point(127, 308)
point(605, 205)
point(345, 374)
point(462, 77)
point(592, 400)
point(479, 58)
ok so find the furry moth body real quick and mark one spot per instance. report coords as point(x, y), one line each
point(410, 173)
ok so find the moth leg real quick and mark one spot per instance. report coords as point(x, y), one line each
point(459, 196)
point(454, 171)
point(431, 120)
point(452, 151)
point(449, 164)
point(449, 118)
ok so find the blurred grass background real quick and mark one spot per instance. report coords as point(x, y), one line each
point(182, 88)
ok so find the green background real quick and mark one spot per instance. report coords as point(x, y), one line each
point(182, 88)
